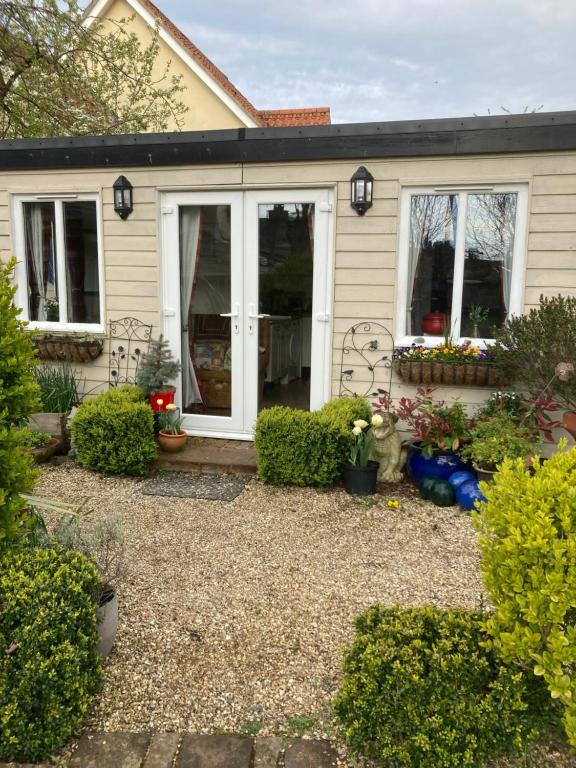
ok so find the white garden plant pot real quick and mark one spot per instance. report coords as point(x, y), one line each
point(107, 613)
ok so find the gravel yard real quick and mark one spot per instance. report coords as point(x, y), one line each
point(234, 614)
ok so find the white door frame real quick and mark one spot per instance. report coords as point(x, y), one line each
point(244, 297)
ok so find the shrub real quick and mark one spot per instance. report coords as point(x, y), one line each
point(113, 433)
point(528, 548)
point(157, 367)
point(497, 438)
point(529, 347)
point(18, 398)
point(306, 448)
point(49, 669)
point(419, 691)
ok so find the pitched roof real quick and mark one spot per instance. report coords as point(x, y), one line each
point(268, 118)
point(274, 118)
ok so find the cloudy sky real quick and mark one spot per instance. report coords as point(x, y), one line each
point(391, 59)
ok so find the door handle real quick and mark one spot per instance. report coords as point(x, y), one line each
point(235, 316)
point(253, 315)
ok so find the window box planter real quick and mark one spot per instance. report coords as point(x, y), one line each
point(473, 374)
point(73, 349)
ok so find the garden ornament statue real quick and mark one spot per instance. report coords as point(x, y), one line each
point(388, 450)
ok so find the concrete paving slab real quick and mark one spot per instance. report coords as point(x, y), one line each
point(267, 751)
point(214, 752)
point(117, 750)
point(162, 750)
point(302, 753)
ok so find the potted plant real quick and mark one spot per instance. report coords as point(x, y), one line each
point(438, 430)
point(446, 363)
point(497, 438)
point(102, 541)
point(156, 369)
point(171, 436)
point(40, 445)
point(69, 347)
point(58, 386)
point(359, 473)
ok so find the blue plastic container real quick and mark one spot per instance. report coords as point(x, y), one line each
point(439, 465)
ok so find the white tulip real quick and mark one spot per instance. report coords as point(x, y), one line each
point(357, 431)
point(361, 423)
point(377, 420)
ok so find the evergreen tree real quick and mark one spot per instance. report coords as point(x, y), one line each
point(157, 368)
point(18, 398)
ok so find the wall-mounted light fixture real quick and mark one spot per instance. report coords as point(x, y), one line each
point(122, 197)
point(361, 185)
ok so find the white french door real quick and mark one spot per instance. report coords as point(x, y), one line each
point(246, 301)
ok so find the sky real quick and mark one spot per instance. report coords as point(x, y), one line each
point(378, 60)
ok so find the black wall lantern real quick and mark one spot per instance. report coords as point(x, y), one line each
point(122, 197)
point(361, 190)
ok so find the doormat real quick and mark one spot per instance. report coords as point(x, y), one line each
point(191, 486)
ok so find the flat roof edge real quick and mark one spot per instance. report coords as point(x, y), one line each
point(540, 132)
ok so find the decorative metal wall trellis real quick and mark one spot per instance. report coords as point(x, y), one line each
point(128, 339)
point(373, 356)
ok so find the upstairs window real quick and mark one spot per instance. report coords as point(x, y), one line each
point(59, 273)
point(461, 262)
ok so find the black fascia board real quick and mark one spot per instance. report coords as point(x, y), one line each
point(541, 132)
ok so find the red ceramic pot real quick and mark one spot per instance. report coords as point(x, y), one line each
point(569, 423)
point(434, 323)
point(159, 400)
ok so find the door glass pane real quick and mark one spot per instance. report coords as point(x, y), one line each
point(82, 282)
point(205, 289)
point(286, 266)
point(490, 225)
point(431, 263)
point(40, 247)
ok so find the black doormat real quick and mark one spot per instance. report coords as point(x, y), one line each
point(191, 486)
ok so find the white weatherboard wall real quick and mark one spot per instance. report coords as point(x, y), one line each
point(366, 248)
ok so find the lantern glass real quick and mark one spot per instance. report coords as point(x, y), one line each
point(117, 198)
point(127, 198)
point(360, 190)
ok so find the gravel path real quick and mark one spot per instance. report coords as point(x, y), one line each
point(234, 614)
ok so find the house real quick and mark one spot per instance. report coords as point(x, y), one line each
point(213, 101)
point(243, 249)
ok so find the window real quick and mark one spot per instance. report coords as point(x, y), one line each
point(59, 274)
point(461, 261)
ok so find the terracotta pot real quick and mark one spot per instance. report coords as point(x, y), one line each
point(165, 395)
point(172, 443)
point(486, 475)
point(44, 452)
point(569, 423)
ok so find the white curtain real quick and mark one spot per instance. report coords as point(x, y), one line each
point(189, 239)
point(34, 247)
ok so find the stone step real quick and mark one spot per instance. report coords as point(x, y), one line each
point(207, 454)
point(174, 750)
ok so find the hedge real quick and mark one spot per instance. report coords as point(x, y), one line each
point(421, 691)
point(113, 432)
point(306, 448)
point(49, 668)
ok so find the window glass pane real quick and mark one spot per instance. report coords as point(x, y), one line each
point(40, 247)
point(82, 284)
point(431, 263)
point(205, 289)
point(490, 225)
point(286, 269)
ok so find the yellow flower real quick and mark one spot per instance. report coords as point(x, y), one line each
point(361, 423)
point(377, 420)
point(170, 407)
point(393, 503)
point(357, 431)
point(159, 401)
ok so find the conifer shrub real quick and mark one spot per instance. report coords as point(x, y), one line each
point(49, 668)
point(297, 447)
point(420, 690)
point(528, 545)
point(113, 433)
point(18, 398)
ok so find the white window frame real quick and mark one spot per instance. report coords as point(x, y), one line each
point(21, 272)
point(401, 337)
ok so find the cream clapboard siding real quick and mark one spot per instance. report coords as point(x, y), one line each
point(365, 248)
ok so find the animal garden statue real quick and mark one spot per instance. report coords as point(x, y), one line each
point(388, 450)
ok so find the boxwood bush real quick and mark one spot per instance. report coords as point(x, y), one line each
point(420, 691)
point(528, 548)
point(49, 668)
point(113, 432)
point(306, 448)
